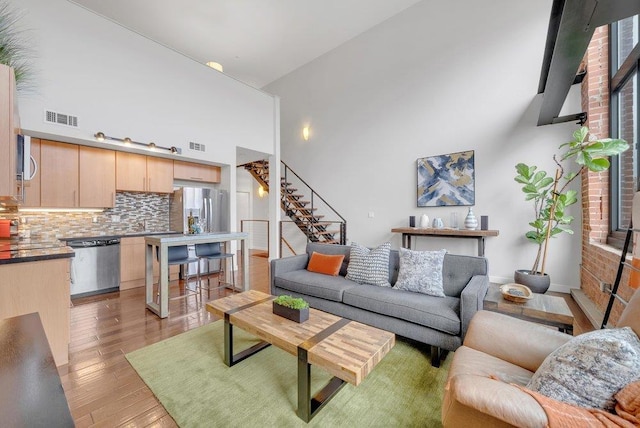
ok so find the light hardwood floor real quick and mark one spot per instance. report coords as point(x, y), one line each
point(101, 386)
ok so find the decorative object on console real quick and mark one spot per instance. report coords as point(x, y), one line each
point(424, 221)
point(369, 266)
point(293, 308)
point(446, 180)
point(471, 222)
point(421, 272)
point(326, 264)
point(551, 194)
point(453, 221)
point(412, 221)
point(438, 223)
point(484, 222)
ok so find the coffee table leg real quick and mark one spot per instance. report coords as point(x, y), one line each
point(229, 358)
point(308, 407)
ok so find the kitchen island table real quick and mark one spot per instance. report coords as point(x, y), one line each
point(163, 242)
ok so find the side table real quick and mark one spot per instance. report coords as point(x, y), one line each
point(542, 308)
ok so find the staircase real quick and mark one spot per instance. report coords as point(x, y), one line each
point(302, 212)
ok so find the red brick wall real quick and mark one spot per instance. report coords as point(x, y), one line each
point(598, 260)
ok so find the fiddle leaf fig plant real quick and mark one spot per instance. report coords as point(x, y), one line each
point(550, 195)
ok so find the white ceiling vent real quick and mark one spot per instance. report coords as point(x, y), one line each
point(60, 118)
point(196, 146)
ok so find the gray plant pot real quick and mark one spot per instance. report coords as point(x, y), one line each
point(537, 283)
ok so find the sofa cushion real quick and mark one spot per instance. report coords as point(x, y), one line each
point(433, 312)
point(331, 249)
point(325, 263)
point(369, 266)
point(589, 369)
point(314, 284)
point(421, 272)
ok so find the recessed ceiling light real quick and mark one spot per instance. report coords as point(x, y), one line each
point(215, 66)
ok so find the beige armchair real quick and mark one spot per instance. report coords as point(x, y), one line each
point(511, 350)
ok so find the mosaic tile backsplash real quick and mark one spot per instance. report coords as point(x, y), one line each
point(133, 212)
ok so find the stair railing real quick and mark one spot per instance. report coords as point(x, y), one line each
point(286, 184)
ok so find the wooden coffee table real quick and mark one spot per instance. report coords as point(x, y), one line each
point(542, 308)
point(346, 349)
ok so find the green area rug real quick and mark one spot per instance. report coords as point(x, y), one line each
point(187, 374)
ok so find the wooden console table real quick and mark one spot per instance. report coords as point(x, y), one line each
point(165, 241)
point(478, 235)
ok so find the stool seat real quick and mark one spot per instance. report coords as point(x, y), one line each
point(179, 255)
point(213, 251)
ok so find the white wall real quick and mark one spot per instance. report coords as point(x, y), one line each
point(439, 77)
point(123, 84)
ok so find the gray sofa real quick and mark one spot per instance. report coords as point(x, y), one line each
point(436, 321)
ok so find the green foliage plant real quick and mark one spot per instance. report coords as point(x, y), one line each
point(13, 47)
point(550, 194)
point(291, 302)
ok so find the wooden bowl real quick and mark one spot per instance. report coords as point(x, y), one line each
point(516, 292)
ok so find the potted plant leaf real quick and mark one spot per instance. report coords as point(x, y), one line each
point(293, 308)
point(14, 51)
point(551, 196)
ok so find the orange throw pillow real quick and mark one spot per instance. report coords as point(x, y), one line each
point(325, 263)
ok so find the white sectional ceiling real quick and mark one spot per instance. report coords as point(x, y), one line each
point(256, 41)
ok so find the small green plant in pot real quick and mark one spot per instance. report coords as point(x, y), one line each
point(551, 196)
point(293, 308)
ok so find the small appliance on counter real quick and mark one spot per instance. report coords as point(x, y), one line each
point(8, 228)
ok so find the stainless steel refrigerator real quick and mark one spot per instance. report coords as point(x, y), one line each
point(210, 210)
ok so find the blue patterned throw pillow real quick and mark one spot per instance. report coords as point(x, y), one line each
point(590, 369)
point(369, 266)
point(421, 272)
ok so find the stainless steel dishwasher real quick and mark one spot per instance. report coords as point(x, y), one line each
point(96, 266)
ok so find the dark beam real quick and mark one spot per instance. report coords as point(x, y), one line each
point(577, 21)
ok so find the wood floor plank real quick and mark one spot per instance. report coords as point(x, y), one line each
point(102, 388)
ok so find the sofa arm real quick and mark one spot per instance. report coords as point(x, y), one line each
point(471, 300)
point(476, 401)
point(519, 342)
point(286, 264)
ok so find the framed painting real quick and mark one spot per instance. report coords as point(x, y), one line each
point(447, 180)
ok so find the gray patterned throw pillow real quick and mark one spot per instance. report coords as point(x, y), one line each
point(590, 369)
point(421, 272)
point(369, 266)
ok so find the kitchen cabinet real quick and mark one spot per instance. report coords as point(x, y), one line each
point(159, 175)
point(132, 264)
point(97, 177)
point(196, 172)
point(32, 187)
point(44, 287)
point(9, 126)
point(140, 173)
point(59, 174)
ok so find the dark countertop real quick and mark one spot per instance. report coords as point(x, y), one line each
point(114, 236)
point(34, 249)
point(32, 393)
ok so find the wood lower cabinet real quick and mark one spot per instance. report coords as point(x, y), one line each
point(32, 187)
point(44, 287)
point(97, 172)
point(139, 173)
point(58, 174)
point(132, 264)
point(196, 172)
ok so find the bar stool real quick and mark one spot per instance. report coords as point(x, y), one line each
point(179, 255)
point(212, 251)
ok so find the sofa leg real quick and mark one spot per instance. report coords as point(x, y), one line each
point(437, 355)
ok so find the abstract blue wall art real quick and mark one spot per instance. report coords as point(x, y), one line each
point(447, 180)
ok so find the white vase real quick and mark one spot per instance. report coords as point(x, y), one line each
point(424, 221)
point(471, 222)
